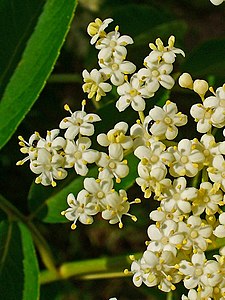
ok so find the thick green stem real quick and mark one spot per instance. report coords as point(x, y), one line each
point(98, 268)
point(169, 296)
point(39, 240)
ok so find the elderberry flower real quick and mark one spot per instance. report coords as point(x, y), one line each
point(116, 136)
point(113, 45)
point(166, 120)
point(98, 190)
point(166, 54)
point(138, 268)
point(178, 197)
point(79, 122)
point(29, 148)
point(96, 29)
point(187, 160)
point(195, 272)
point(116, 68)
point(78, 155)
point(49, 166)
point(217, 104)
point(112, 165)
point(165, 237)
point(117, 205)
point(81, 209)
point(207, 200)
point(203, 117)
point(220, 229)
point(197, 234)
point(132, 93)
point(95, 84)
point(217, 171)
point(140, 134)
point(160, 270)
point(52, 142)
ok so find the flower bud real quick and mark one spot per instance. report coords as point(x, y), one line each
point(186, 81)
point(200, 87)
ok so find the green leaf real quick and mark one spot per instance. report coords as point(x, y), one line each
point(18, 18)
point(18, 263)
point(35, 65)
point(207, 59)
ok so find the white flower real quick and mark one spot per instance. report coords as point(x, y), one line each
point(49, 167)
point(116, 136)
point(95, 84)
point(138, 268)
point(132, 93)
point(197, 234)
point(96, 29)
point(98, 189)
point(116, 206)
point(166, 120)
point(166, 54)
point(156, 74)
point(29, 148)
point(113, 45)
point(193, 271)
point(187, 160)
point(80, 209)
point(52, 142)
point(178, 197)
point(78, 155)
point(217, 104)
point(112, 165)
point(217, 171)
point(116, 68)
point(160, 270)
point(79, 122)
point(165, 238)
point(203, 117)
point(139, 134)
point(208, 200)
point(220, 229)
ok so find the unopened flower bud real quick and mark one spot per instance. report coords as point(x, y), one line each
point(200, 87)
point(186, 81)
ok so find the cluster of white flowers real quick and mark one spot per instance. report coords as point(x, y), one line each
point(189, 220)
point(186, 177)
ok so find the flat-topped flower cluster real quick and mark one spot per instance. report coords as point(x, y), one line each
point(186, 177)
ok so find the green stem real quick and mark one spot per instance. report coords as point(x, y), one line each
point(98, 268)
point(65, 78)
point(39, 240)
point(169, 296)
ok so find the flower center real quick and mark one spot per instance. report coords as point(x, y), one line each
point(222, 103)
point(155, 73)
point(78, 155)
point(164, 240)
point(79, 121)
point(154, 158)
point(133, 93)
point(167, 120)
point(184, 159)
point(115, 67)
point(112, 44)
point(112, 165)
point(198, 272)
point(100, 195)
point(194, 234)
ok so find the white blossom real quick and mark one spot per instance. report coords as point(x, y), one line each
point(52, 142)
point(80, 208)
point(220, 229)
point(116, 68)
point(78, 155)
point(96, 29)
point(49, 167)
point(217, 2)
point(187, 160)
point(166, 120)
point(217, 171)
point(95, 84)
point(132, 93)
point(29, 148)
point(79, 122)
point(117, 136)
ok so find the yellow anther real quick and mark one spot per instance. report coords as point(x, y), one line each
point(73, 226)
point(66, 107)
point(132, 257)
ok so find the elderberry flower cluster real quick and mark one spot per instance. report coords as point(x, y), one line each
point(186, 176)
